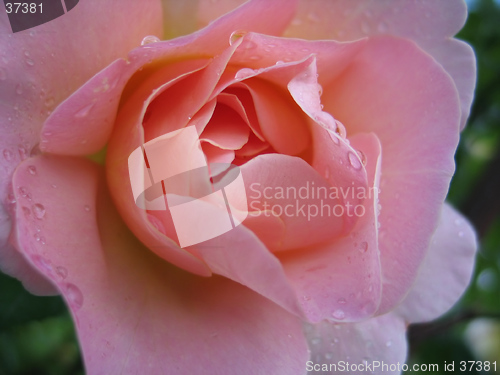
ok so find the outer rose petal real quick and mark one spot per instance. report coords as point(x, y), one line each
point(429, 23)
point(405, 97)
point(379, 339)
point(132, 310)
point(449, 263)
point(38, 79)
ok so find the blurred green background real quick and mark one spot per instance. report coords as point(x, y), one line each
point(37, 335)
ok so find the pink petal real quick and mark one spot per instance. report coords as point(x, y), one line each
point(430, 24)
point(445, 272)
point(341, 280)
point(129, 135)
point(297, 194)
point(134, 311)
point(226, 129)
point(372, 343)
point(38, 79)
point(416, 117)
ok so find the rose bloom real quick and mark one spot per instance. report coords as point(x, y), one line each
point(357, 95)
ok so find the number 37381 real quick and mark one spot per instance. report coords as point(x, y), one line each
point(23, 8)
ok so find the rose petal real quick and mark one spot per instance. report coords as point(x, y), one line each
point(297, 194)
point(134, 311)
point(128, 136)
point(368, 345)
point(430, 24)
point(341, 280)
point(449, 263)
point(38, 79)
point(419, 135)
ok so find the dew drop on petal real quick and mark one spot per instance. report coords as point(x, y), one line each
point(29, 62)
point(338, 314)
point(236, 35)
point(353, 159)
point(7, 154)
point(38, 211)
point(388, 343)
point(19, 89)
point(74, 296)
point(150, 39)
point(342, 301)
point(87, 208)
point(244, 73)
point(363, 247)
point(11, 199)
point(61, 272)
point(84, 111)
point(362, 157)
point(32, 170)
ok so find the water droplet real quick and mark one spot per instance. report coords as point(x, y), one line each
point(150, 39)
point(61, 272)
point(280, 62)
point(49, 102)
point(353, 159)
point(87, 208)
point(37, 237)
point(11, 198)
point(3, 74)
point(362, 157)
point(74, 296)
point(84, 111)
point(39, 211)
point(42, 263)
point(320, 90)
point(315, 341)
point(236, 35)
point(23, 191)
point(255, 58)
point(342, 301)
point(338, 314)
point(7, 154)
point(53, 186)
point(19, 89)
point(32, 169)
point(22, 153)
point(363, 247)
point(29, 62)
point(334, 137)
point(388, 343)
point(244, 73)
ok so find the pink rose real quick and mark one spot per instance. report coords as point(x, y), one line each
point(368, 108)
